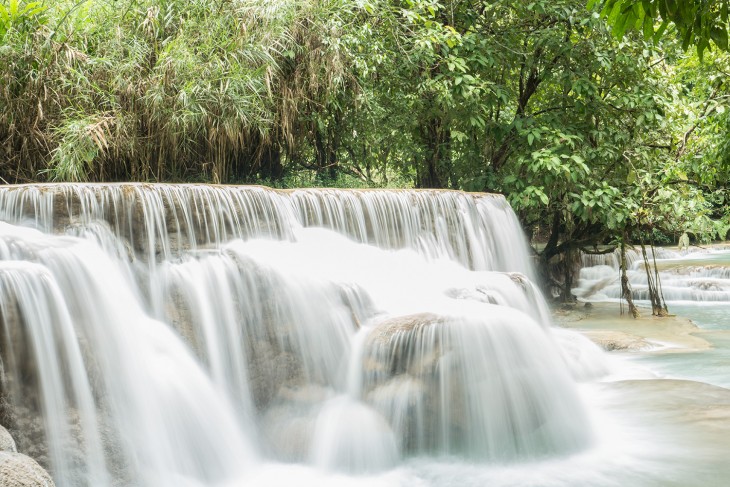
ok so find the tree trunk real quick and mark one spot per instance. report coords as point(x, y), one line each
point(568, 276)
point(658, 307)
point(435, 174)
point(625, 285)
point(270, 165)
point(320, 153)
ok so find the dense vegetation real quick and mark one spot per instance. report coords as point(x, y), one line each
point(598, 128)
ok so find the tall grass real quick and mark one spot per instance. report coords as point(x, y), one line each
point(162, 89)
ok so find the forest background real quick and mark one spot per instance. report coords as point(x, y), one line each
point(602, 123)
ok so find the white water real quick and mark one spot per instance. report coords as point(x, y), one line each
point(229, 336)
point(688, 276)
point(89, 330)
point(696, 284)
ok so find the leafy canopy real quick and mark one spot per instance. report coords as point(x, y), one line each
point(701, 23)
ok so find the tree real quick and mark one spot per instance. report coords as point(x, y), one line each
point(701, 23)
point(594, 136)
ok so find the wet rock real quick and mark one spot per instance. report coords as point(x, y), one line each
point(17, 470)
point(388, 330)
point(30, 436)
point(519, 279)
point(480, 295)
point(7, 443)
point(180, 316)
point(394, 346)
point(617, 341)
point(271, 369)
point(403, 399)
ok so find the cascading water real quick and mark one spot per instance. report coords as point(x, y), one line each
point(696, 275)
point(695, 283)
point(103, 363)
point(186, 335)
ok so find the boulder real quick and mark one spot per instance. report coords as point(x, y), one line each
point(7, 443)
point(17, 470)
point(387, 330)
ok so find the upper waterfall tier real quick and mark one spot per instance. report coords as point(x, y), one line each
point(480, 231)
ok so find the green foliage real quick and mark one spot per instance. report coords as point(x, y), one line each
point(188, 87)
point(15, 15)
point(589, 131)
point(701, 23)
point(81, 141)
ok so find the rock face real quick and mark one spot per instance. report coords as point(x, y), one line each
point(17, 470)
point(7, 443)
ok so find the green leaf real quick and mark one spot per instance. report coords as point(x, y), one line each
point(649, 8)
point(671, 7)
point(660, 31)
point(631, 177)
point(612, 14)
point(622, 23)
point(719, 35)
point(687, 38)
point(578, 159)
point(648, 27)
point(32, 8)
point(701, 46)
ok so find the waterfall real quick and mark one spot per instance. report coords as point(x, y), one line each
point(696, 275)
point(161, 335)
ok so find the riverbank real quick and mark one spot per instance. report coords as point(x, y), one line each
point(604, 325)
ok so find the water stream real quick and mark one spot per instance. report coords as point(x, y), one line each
point(191, 335)
point(696, 285)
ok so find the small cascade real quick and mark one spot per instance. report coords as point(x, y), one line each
point(489, 385)
point(352, 437)
point(633, 256)
point(188, 334)
point(696, 275)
